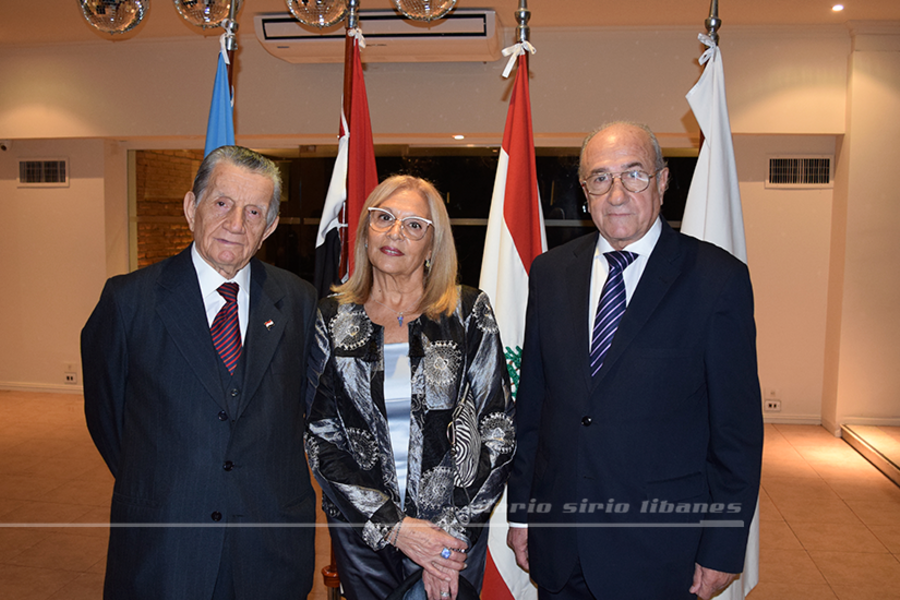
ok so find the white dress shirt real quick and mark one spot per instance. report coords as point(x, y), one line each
point(210, 280)
point(632, 275)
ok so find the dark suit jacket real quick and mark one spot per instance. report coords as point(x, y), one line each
point(674, 417)
point(158, 412)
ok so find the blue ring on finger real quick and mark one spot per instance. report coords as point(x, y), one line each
point(446, 553)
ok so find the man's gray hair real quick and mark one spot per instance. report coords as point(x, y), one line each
point(660, 162)
point(247, 159)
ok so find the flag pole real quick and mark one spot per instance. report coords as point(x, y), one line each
point(349, 40)
point(523, 31)
point(330, 572)
point(230, 25)
point(713, 23)
point(220, 126)
point(352, 23)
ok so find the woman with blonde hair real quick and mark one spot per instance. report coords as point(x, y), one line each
point(410, 420)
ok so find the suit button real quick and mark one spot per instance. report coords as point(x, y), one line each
point(216, 516)
point(223, 416)
point(235, 392)
point(228, 465)
point(586, 421)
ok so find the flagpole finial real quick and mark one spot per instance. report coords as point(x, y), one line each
point(230, 25)
point(522, 17)
point(713, 23)
point(353, 14)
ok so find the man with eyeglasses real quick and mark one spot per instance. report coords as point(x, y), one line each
point(638, 409)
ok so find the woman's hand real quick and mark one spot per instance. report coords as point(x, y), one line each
point(438, 589)
point(424, 543)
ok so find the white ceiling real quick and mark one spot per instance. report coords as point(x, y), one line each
point(60, 21)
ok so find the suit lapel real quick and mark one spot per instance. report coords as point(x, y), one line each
point(264, 330)
point(578, 282)
point(663, 268)
point(181, 310)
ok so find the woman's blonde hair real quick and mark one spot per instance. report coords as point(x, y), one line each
point(441, 295)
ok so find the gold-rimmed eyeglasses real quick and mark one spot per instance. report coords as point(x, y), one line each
point(633, 180)
point(412, 228)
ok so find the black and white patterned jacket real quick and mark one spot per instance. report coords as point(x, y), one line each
point(462, 432)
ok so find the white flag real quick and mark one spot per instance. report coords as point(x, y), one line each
point(713, 213)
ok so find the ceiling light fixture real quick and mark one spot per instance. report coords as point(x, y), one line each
point(837, 7)
point(114, 16)
point(459, 137)
point(424, 10)
point(318, 13)
point(205, 13)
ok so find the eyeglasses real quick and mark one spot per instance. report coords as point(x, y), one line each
point(633, 180)
point(412, 228)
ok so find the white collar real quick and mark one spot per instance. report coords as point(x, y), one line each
point(210, 279)
point(641, 247)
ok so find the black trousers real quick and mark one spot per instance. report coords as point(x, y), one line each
point(576, 588)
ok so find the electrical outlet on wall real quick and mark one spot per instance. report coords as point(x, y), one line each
point(70, 373)
point(771, 399)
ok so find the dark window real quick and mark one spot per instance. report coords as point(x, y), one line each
point(465, 177)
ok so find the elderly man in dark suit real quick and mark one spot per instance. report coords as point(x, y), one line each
point(193, 373)
point(638, 410)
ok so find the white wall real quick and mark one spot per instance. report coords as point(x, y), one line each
point(862, 378)
point(787, 92)
point(54, 260)
point(788, 236)
point(781, 81)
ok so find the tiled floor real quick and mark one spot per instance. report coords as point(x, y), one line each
point(51, 475)
point(829, 521)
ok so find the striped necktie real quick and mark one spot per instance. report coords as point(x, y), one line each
point(610, 308)
point(226, 334)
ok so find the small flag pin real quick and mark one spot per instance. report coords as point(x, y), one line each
point(269, 324)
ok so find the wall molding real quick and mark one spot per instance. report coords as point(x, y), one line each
point(14, 386)
point(793, 419)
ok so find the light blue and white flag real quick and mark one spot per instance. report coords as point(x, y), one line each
point(220, 127)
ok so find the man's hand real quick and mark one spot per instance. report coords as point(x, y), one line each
point(517, 539)
point(708, 582)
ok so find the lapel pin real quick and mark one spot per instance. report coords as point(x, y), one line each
point(269, 324)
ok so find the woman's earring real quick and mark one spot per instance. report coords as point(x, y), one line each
point(428, 264)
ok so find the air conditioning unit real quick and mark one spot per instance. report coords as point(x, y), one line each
point(464, 35)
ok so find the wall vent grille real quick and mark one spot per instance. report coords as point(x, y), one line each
point(51, 172)
point(813, 171)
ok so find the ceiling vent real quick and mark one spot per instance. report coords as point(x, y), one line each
point(44, 172)
point(465, 35)
point(800, 172)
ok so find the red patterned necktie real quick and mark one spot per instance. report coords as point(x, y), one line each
point(226, 334)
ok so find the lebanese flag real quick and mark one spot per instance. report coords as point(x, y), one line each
point(353, 178)
point(515, 235)
point(713, 213)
